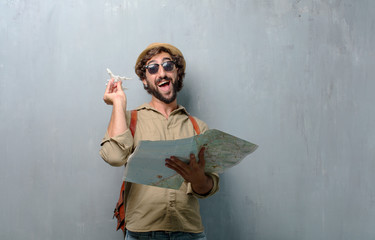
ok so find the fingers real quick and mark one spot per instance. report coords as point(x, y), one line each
point(176, 164)
point(109, 86)
point(192, 172)
point(118, 85)
point(202, 161)
point(113, 91)
point(108, 90)
point(193, 161)
point(112, 86)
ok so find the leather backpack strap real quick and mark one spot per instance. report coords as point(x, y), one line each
point(195, 125)
point(133, 121)
point(119, 211)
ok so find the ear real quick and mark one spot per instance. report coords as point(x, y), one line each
point(145, 85)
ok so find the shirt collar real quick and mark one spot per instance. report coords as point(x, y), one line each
point(179, 108)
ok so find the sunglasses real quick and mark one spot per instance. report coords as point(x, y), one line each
point(153, 68)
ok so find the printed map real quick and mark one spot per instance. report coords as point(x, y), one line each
point(146, 164)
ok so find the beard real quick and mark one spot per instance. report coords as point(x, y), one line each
point(156, 93)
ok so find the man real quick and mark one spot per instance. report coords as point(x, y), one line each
point(153, 212)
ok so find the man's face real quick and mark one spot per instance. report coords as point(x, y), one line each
point(162, 84)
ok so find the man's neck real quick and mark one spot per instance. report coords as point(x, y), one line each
point(162, 107)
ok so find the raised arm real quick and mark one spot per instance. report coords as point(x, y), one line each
point(117, 143)
point(115, 96)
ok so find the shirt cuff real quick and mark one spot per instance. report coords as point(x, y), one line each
point(123, 140)
point(115, 150)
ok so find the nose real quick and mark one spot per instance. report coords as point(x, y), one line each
point(161, 72)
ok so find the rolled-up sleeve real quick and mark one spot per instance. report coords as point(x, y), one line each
point(116, 150)
point(215, 187)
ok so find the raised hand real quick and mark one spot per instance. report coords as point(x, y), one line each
point(114, 94)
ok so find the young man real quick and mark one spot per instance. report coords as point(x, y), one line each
point(152, 212)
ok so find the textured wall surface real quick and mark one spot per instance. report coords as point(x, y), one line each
point(295, 77)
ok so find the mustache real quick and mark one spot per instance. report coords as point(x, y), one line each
point(163, 78)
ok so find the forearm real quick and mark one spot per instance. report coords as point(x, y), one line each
point(117, 144)
point(117, 125)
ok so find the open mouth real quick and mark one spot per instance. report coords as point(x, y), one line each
point(163, 84)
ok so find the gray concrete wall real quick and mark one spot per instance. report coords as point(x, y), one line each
point(295, 77)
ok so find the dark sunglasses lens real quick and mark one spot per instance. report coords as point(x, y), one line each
point(168, 66)
point(152, 69)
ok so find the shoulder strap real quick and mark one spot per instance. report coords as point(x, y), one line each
point(195, 125)
point(119, 211)
point(133, 121)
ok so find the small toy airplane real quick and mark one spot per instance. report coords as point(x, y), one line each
point(116, 77)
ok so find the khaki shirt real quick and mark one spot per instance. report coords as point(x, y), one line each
point(151, 208)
